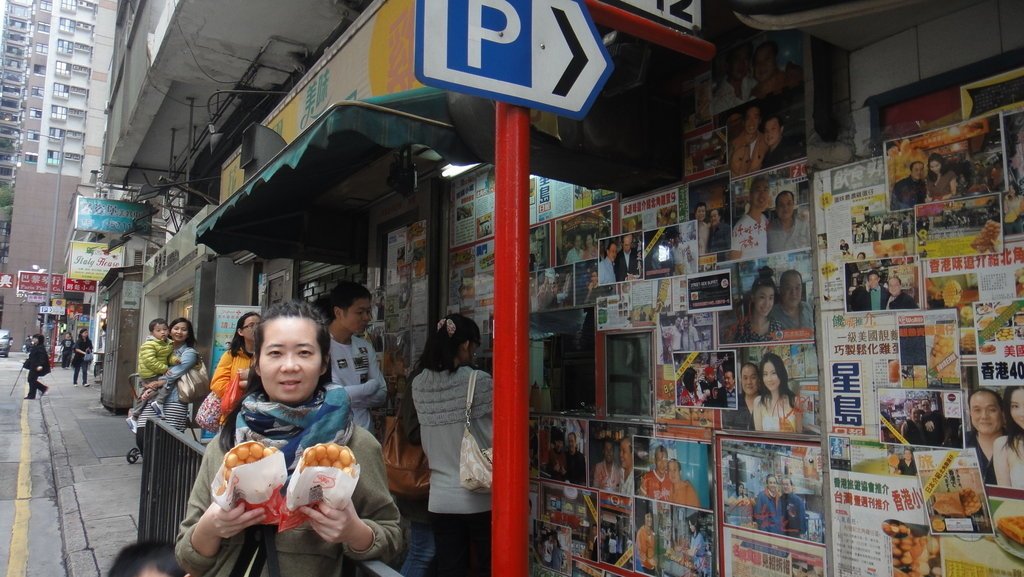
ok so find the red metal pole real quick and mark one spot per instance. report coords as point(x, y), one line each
point(510, 506)
point(649, 30)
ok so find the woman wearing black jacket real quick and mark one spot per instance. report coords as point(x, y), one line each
point(38, 364)
point(83, 347)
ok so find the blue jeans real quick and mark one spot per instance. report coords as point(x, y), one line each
point(419, 557)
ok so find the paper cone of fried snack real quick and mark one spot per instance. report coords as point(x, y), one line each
point(250, 473)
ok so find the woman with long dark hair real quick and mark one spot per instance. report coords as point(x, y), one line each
point(173, 412)
point(291, 404)
point(777, 409)
point(1008, 450)
point(941, 179)
point(38, 364)
point(758, 326)
point(237, 360)
point(461, 518)
point(83, 351)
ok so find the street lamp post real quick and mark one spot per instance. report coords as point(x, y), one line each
point(53, 234)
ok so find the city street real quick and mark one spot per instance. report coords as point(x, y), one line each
point(68, 498)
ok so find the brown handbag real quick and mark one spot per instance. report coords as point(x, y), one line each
point(406, 463)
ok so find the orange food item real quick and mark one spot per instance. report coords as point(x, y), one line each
point(244, 454)
point(330, 455)
point(1012, 527)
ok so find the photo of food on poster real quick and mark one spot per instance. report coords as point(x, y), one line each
point(709, 205)
point(958, 282)
point(576, 236)
point(771, 212)
point(611, 455)
point(998, 554)
point(571, 507)
point(921, 417)
point(706, 154)
point(999, 326)
point(621, 258)
point(958, 160)
point(880, 526)
point(686, 541)
point(709, 291)
point(613, 311)
point(561, 452)
point(929, 349)
point(672, 470)
point(954, 492)
point(758, 554)
point(617, 547)
point(555, 288)
point(540, 247)
point(771, 300)
point(792, 387)
point(782, 483)
point(588, 290)
point(670, 250)
point(700, 379)
point(684, 332)
point(959, 227)
point(883, 284)
point(551, 548)
point(653, 210)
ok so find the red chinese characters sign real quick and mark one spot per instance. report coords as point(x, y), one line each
point(79, 285)
point(34, 282)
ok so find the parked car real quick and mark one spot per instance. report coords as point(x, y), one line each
point(5, 343)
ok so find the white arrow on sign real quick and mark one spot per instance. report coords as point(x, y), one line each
point(484, 47)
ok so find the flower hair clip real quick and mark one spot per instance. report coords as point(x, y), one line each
point(448, 324)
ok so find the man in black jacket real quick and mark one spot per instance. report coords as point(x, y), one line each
point(871, 296)
point(627, 264)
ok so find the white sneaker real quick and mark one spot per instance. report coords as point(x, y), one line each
point(76, 384)
point(132, 424)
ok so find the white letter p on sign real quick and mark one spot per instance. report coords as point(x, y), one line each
point(477, 33)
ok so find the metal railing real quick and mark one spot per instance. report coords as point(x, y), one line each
point(170, 463)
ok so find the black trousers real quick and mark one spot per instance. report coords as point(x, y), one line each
point(34, 385)
point(454, 536)
point(65, 358)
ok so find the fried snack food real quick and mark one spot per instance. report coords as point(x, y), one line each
point(952, 292)
point(1012, 528)
point(914, 554)
point(987, 238)
point(970, 500)
point(243, 454)
point(329, 455)
point(948, 504)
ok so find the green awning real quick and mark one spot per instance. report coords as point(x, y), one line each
point(275, 213)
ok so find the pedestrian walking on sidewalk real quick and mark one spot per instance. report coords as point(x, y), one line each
point(67, 350)
point(82, 357)
point(38, 365)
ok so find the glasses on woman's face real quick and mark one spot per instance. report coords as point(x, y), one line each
point(249, 326)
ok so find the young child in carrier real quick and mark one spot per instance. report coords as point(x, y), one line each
point(156, 355)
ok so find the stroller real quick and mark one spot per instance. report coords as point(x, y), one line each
point(135, 452)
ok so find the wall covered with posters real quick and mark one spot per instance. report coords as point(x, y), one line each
point(771, 370)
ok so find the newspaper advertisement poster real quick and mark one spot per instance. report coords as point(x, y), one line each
point(1001, 554)
point(880, 527)
point(554, 198)
point(959, 227)
point(613, 311)
point(472, 206)
point(999, 326)
point(864, 353)
point(750, 554)
point(929, 349)
point(921, 417)
point(954, 492)
point(660, 208)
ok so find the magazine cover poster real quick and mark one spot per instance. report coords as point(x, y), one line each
point(611, 455)
point(771, 212)
point(772, 299)
point(670, 250)
point(921, 417)
point(780, 484)
point(700, 379)
point(576, 236)
point(792, 381)
point(954, 492)
point(686, 541)
point(621, 258)
point(954, 161)
point(883, 284)
point(616, 526)
point(673, 470)
point(709, 206)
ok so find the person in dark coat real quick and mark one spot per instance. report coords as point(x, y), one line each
point(67, 349)
point(82, 357)
point(871, 296)
point(897, 298)
point(38, 364)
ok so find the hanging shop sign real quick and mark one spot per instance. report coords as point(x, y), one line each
point(75, 285)
point(111, 216)
point(92, 260)
point(34, 282)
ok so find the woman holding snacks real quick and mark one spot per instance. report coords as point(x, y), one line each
point(460, 518)
point(291, 405)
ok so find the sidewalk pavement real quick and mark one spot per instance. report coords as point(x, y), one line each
point(97, 489)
